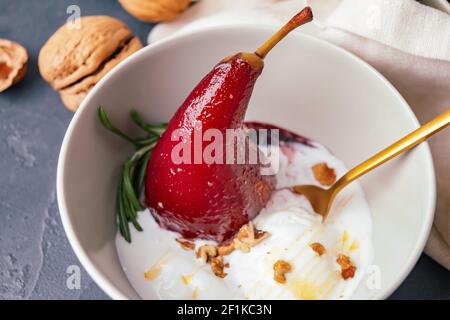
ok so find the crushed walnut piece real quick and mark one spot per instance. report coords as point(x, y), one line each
point(280, 268)
point(210, 254)
point(347, 268)
point(207, 252)
point(217, 266)
point(248, 237)
point(186, 245)
point(225, 249)
point(324, 174)
point(318, 248)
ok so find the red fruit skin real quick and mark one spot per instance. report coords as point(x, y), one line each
point(200, 200)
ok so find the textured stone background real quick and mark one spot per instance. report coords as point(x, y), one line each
point(34, 251)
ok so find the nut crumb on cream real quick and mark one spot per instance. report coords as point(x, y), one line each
point(206, 252)
point(280, 269)
point(225, 250)
point(246, 238)
point(348, 270)
point(218, 265)
point(186, 245)
point(317, 248)
point(324, 174)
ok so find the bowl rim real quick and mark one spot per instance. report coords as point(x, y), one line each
point(445, 4)
point(102, 281)
point(442, 5)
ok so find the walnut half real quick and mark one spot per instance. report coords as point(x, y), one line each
point(13, 63)
point(74, 59)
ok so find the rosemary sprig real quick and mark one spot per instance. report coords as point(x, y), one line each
point(131, 182)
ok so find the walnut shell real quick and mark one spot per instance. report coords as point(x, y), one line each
point(154, 10)
point(71, 54)
point(73, 60)
point(73, 95)
point(13, 63)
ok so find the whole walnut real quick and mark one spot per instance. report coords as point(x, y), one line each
point(74, 59)
point(154, 10)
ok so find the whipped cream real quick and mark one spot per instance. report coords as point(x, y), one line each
point(157, 265)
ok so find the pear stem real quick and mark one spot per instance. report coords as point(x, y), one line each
point(299, 19)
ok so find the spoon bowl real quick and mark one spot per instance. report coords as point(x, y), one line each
point(321, 200)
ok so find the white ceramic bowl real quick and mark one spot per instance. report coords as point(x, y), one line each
point(308, 85)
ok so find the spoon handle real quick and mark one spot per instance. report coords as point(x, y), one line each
point(408, 142)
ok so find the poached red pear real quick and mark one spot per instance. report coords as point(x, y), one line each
point(212, 200)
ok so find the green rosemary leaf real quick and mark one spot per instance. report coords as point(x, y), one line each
point(153, 129)
point(108, 125)
point(123, 221)
point(143, 142)
point(131, 212)
point(140, 174)
point(136, 225)
point(128, 186)
point(138, 154)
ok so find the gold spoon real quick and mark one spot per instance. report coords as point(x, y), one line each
point(321, 199)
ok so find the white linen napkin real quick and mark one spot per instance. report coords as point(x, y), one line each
point(407, 42)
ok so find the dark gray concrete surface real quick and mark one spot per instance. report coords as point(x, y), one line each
point(34, 251)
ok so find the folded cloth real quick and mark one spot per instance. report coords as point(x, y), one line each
point(405, 40)
point(409, 44)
